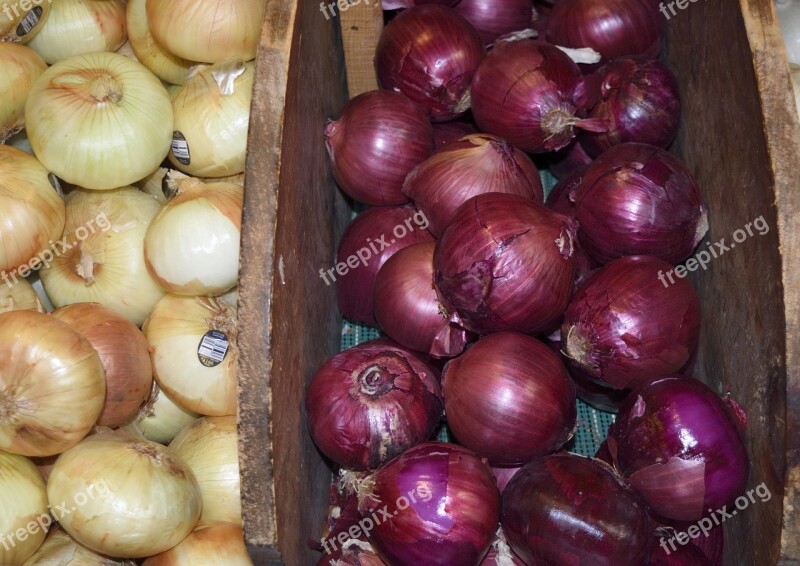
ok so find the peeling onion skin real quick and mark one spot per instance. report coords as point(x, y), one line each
point(568, 509)
point(372, 402)
point(624, 327)
point(679, 447)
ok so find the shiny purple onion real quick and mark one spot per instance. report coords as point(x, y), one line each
point(445, 133)
point(493, 18)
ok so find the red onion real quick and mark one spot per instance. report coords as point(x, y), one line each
point(436, 504)
point(449, 132)
point(598, 396)
point(403, 4)
point(370, 403)
point(476, 164)
point(530, 93)
point(374, 235)
point(493, 18)
point(639, 199)
point(509, 399)
point(679, 447)
point(407, 308)
point(639, 99)
point(611, 27)
point(624, 326)
point(343, 510)
point(567, 160)
point(430, 53)
point(500, 554)
point(603, 454)
point(355, 553)
point(665, 555)
point(567, 509)
point(709, 539)
point(380, 137)
point(505, 263)
point(503, 476)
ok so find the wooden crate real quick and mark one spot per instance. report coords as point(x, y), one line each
point(740, 136)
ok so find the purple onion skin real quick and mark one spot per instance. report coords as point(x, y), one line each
point(473, 165)
point(505, 263)
point(371, 402)
point(603, 454)
point(403, 4)
point(567, 509)
point(624, 327)
point(453, 517)
point(351, 556)
point(711, 545)
point(378, 139)
point(430, 54)
point(500, 554)
point(372, 230)
point(503, 476)
point(529, 93)
point(679, 447)
point(565, 161)
point(493, 18)
point(407, 308)
point(639, 99)
point(509, 399)
point(638, 199)
point(682, 555)
point(448, 132)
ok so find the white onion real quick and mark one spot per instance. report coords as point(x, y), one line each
point(209, 31)
point(20, 24)
point(20, 66)
point(221, 544)
point(192, 246)
point(19, 296)
point(75, 27)
point(23, 501)
point(212, 113)
point(180, 332)
point(209, 447)
point(99, 120)
point(137, 499)
point(60, 549)
point(161, 419)
point(106, 267)
point(51, 384)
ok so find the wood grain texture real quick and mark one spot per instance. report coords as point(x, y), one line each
point(362, 24)
point(739, 136)
point(287, 316)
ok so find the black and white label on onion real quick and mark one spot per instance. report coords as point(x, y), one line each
point(180, 148)
point(29, 22)
point(213, 348)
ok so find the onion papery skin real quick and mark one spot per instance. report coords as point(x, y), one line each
point(500, 554)
point(509, 399)
point(494, 18)
point(212, 121)
point(175, 330)
point(473, 165)
point(407, 308)
point(219, 544)
point(20, 296)
point(679, 448)
point(52, 385)
point(23, 499)
point(75, 27)
point(611, 27)
point(33, 212)
point(13, 30)
point(208, 32)
point(565, 161)
point(99, 120)
point(448, 132)
point(354, 553)
point(531, 94)
point(688, 555)
point(453, 516)
point(140, 498)
point(60, 549)
point(161, 419)
point(108, 266)
point(711, 543)
point(503, 476)
point(638, 199)
point(505, 263)
point(20, 66)
point(567, 509)
point(430, 54)
point(623, 326)
point(378, 139)
point(371, 235)
point(209, 449)
point(639, 99)
point(123, 349)
point(372, 402)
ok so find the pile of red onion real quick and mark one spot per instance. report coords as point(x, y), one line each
point(498, 309)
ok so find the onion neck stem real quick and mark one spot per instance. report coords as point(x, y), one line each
point(375, 380)
point(85, 267)
point(556, 122)
point(105, 89)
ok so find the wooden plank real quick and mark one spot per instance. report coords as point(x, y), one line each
point(362, 24)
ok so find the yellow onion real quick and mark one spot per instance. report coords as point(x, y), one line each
point(99, 120)
point(209, 31)
point(212, 113)
point(193, 348)
point(209, 447)
point(59, 549)
point(161, 419)
point(20, 66)
point(133, 498)
point(23, 501)
point(125, 355)
point(31, 210)
point(161, 62)
point(107, 266)
point(75, 27)
point(192, 246)
point(220, 544)
point(19, 296)
point(21, 21)
point(51, 384)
